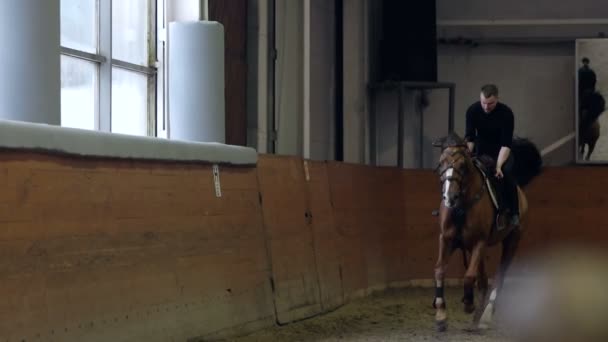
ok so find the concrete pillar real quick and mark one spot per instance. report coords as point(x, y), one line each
point(30, 78)
point(322, 85)
point(289, 77)
point(196, 81)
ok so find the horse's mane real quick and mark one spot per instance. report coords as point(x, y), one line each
point(451, 140)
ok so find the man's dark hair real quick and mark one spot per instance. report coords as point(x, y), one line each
point(489, 90)
point(585, 60)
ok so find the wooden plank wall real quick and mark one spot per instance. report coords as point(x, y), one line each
point(96, 249)
point(326, 238)
point(369, 223)
point(289, 237)
point(568, 205)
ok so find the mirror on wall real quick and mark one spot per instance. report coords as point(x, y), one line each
point(591, 92)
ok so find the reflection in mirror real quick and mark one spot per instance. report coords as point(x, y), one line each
point(591, 90)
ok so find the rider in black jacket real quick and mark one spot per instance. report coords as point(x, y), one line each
point(489, 131)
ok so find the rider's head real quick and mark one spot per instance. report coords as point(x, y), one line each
point(488, 97)
point(585, 61)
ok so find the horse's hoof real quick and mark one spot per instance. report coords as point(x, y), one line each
point(469, 308)
point(483, 326)
point(441, 325)
point(473, 329)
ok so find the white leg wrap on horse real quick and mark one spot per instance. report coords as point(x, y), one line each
point(486, 317)
point(446, 186)
point(493, 295)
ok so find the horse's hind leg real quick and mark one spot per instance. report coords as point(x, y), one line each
point(592, 135)
point(582, 151)
point(471, 276)
point(590, 149)
point(482, 287)
point(509, 247)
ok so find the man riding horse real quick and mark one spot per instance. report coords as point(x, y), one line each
point(489, 132)
point(591, 104)
point(467, 215)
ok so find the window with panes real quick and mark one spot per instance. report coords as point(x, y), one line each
point(109, 65)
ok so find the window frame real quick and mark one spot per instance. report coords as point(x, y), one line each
point(104, 64)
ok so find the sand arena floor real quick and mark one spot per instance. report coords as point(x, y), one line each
point(393, 315)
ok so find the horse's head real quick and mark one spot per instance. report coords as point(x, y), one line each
point(453, 169)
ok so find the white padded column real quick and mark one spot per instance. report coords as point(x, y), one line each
point(30, 78)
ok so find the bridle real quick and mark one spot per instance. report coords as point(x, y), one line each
point(449, 173)
point(461, 180)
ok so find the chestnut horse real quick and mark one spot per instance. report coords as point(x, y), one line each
point(467, 217)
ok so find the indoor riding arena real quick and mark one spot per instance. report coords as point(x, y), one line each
point(280, 170)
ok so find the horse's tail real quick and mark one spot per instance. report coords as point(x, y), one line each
point(528, 161)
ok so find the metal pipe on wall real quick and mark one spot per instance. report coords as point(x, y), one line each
point(306, 79)
point(339, 79)
point(203, 10)
point(400, 128)
point(272, 58)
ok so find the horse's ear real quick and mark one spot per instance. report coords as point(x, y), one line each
point(439, 142)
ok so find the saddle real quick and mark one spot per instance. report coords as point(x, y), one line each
point(496, 189)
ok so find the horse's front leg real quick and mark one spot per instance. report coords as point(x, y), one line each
point(445, 250)
point(471, 275)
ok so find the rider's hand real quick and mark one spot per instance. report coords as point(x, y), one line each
point(499, 174)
